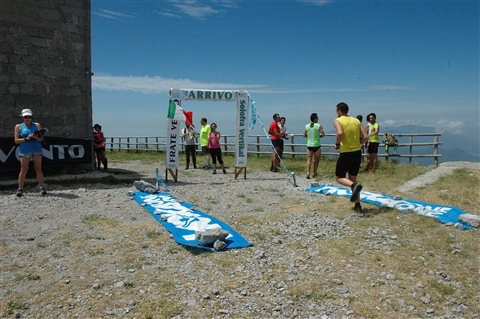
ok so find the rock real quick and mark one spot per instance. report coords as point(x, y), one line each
point(470, 219)
point(426, 299)
point(208, 237)
point(458, 226)
point(145, 187)
point(342, 290)
point(219, 245)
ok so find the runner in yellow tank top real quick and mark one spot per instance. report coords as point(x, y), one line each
point(349, 130)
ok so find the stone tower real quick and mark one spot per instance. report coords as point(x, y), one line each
point(45, 58)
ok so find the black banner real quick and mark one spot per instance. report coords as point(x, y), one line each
point(57, 151)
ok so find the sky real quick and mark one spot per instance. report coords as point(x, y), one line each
point(410, 62)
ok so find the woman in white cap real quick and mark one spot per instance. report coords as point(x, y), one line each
point(30, 148)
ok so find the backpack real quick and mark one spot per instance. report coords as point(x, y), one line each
point(390, 140)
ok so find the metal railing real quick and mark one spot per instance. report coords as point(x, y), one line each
point(294, 147)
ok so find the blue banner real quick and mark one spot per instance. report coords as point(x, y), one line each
point(445, 214)
point(181, 220)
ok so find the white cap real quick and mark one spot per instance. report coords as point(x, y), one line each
point(27, 112)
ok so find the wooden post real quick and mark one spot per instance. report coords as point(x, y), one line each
point(435, 150)
point(174, 174)
point(292, 146)
point(238, 170)
point(258, 146)
point(411, 150)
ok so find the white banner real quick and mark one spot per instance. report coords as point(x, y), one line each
point(243, 119)
point(204, 95)
point(173, 132)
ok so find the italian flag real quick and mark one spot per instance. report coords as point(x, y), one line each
point(175, 112)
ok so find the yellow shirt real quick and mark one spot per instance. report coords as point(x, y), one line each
point(371, 128)
point(351, 134)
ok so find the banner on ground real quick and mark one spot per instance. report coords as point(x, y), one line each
point(445, 214)
point(181, 220)
point(57, 151)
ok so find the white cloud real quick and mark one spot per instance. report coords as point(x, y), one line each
point(161, 85)
point(390, 87)
point(316, 2)
point(401, 122)
point(167, 14)
point(454, 127)
point(196, 10)
point(112, 14)
point(158, 84)
point(227, 3)
point(442, 126)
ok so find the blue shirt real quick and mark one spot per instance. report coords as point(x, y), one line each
point(31, 145)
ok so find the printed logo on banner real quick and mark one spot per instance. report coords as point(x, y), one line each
point(182, 221)
point(445, 214)
point(172, 140)
point(56, 151)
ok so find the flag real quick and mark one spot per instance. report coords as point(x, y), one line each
point(175, 112)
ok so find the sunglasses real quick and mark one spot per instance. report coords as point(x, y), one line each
point(27, 117)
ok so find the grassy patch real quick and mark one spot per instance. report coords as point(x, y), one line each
point(156, 309)
point(28, 276)
point(97, 220)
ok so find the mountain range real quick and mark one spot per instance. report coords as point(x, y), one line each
point(454, 147)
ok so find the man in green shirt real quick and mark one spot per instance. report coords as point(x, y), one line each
point(204, 132)
point(373, 143)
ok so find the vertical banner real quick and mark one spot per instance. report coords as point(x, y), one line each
point(243, 115)
point(173, 131)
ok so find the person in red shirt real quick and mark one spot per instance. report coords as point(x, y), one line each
point(276, 134)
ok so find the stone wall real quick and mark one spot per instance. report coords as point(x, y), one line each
point(46, 65)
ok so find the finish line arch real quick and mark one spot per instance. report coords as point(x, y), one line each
point(242, 99)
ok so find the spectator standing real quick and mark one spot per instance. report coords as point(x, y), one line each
point(360, 118)
point(28, 137)
point(274, 131)
point(348, 132)
point(313, 132)
point(189, 134)
point(99, 146)
point(373, 143)
point(215, 150)
point(204, 135)
point(284, 134)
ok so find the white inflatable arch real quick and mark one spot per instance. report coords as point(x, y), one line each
point(242, 99)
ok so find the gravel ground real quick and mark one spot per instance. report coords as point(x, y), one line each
point(76, 252)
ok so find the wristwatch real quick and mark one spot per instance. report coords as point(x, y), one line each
point(25, 139)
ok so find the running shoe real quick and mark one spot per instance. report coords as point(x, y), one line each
point(275, 170)
point(214, 171)
point(224, 171)
point(358, 208)
point(356, 188)
point(19, 192)
point(43, 191)
point(308, 176)
point(315, 174)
